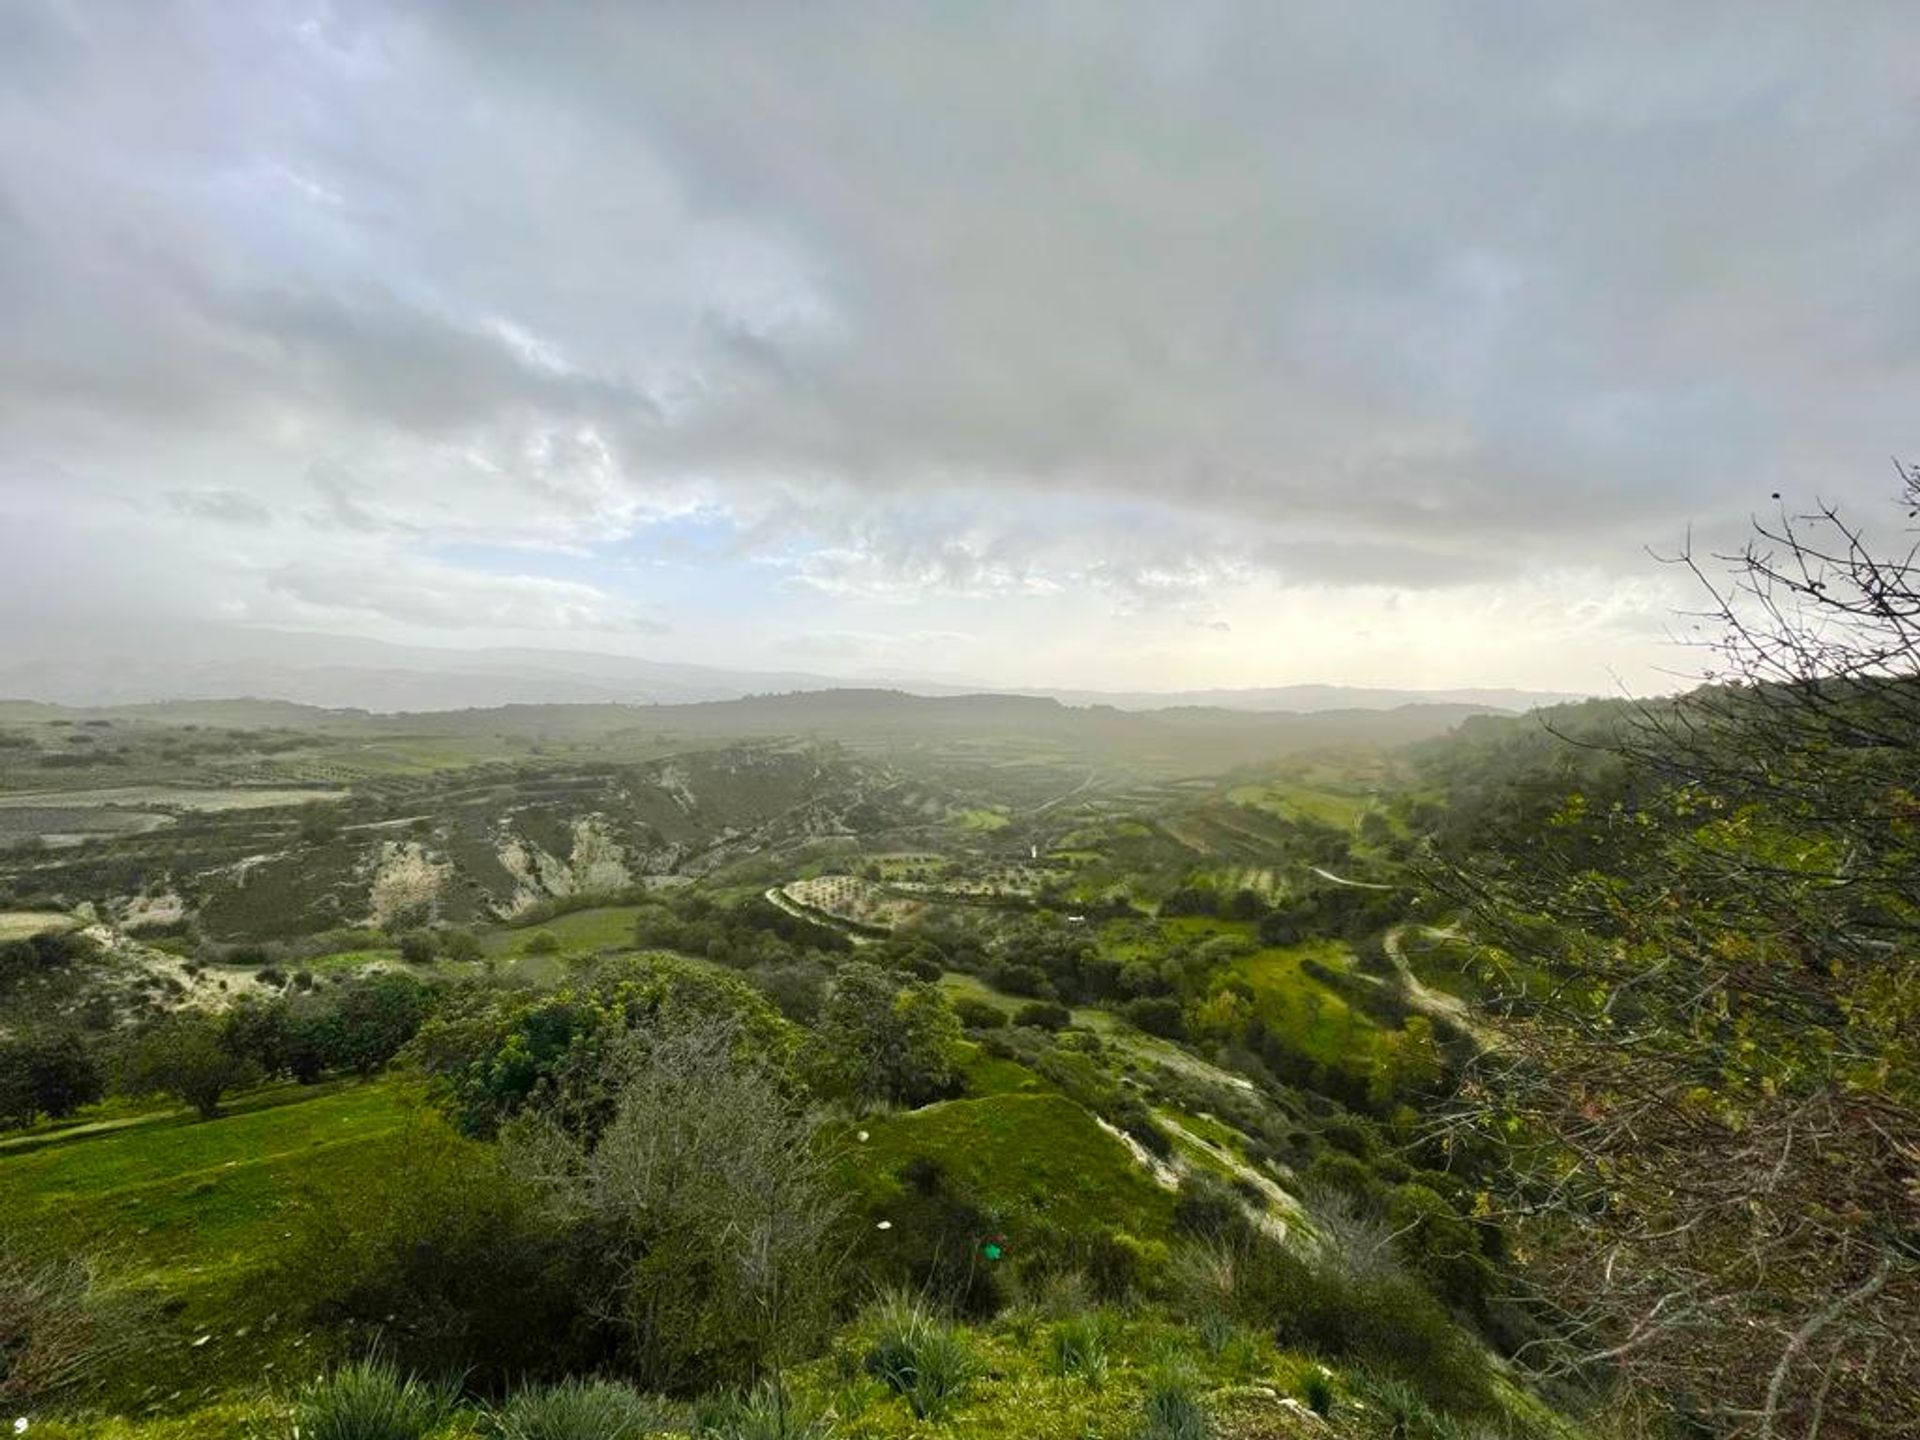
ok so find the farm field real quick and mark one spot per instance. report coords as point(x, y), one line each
point(19, 924)
point(169, 797)
point(578, 932)
point(1321, 1023)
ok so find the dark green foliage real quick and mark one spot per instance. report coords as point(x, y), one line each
point(183, 1054)
point(374, 1016)
point(498, 1054)
point(699, 1211)
point(461, 947)
point(1157, 1015)
point(1044, 1015)
point(979, 1014)
point(447, 1256)
point(419, 947)
point(887, 1040)
point(1372, 1316)
point(51, 1074)
point(741, 935)
point(1317, 1390)
point(49, 951)
point(1207, 1208)
point(933, 1245)
point(1132, 1116)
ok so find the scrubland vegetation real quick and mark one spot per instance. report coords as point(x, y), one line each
point(1541, 1079)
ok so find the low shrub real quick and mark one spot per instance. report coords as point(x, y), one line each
point(1207, 1208)
point(370, 1400)
point(1377, 1317)
point(979, 1014)
point(1044, 1015)
point(59, 1329)
point(451, 1259)
point(1317, 1390)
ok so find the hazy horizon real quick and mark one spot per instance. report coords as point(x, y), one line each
point(1138, 348)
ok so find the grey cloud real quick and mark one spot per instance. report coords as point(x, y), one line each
point(987, 301)
point(229, 507)
point(418, 593)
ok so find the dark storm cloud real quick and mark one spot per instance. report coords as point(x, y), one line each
point(984, 300)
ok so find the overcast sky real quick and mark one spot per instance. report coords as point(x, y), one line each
point(1095, 344)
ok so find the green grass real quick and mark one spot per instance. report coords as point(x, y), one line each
point(987, 1074)
point(1297, 802)
point(1030, 1159)
point(192, 1214)
point(1319, 1022)
point(981, 819)
point(580, 932)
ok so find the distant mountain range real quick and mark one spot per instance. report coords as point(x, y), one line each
point(337, 672)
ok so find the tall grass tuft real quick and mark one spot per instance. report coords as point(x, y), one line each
point(919, 1357)
point(581, 1410)
point(767, 1413)
point(370, 1400)
point(1173, 1410)
point(1080, 1348)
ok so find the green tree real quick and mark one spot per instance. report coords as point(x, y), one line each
point(373, 1017)
point(888, 1040)
point(47, 1074)
point(705, 1199)
point(183, 1055)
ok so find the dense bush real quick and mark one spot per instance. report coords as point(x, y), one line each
point(1044, 1015)
point(932, 1246)
point(699, 1211)
point(1346, 1308)
point(47, 1074)
point(496, 1054)
point(1157, 1015)
point(886, 1040)
point(449, 1258)
point(979, 1014)
point(49, 951)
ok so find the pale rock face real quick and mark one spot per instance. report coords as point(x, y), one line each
point(599, 862)
point(595, 862)
point(405, 878)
